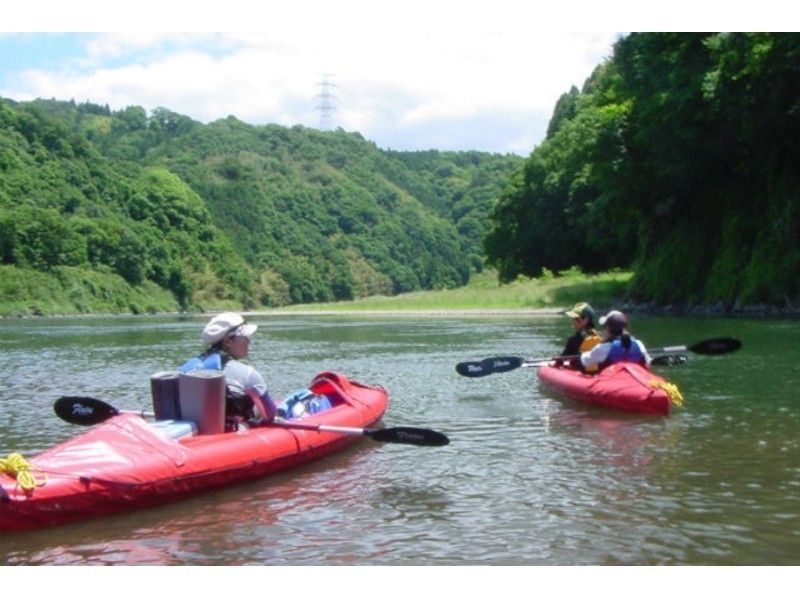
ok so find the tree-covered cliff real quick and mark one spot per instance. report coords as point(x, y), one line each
point(679, 158)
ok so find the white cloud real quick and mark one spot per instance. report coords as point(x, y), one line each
point(491, 80)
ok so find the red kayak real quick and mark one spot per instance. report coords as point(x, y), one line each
point(626, 386)
point(127, 463)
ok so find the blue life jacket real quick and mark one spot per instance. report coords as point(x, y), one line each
point(619, 353)
point(210, 361)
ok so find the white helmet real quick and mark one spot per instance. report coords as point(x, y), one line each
point(226, 324)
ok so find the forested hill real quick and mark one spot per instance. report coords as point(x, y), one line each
point(680, 158)
point(106, 210)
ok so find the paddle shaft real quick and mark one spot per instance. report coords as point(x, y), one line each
point(666, 352)
point(665, 359)
point(494, 365)
point(713, 346)
point(293, 425)
point(89, 411)
point(322, 428)
point(399, 434)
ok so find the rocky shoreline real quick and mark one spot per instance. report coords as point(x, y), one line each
point(716, 310)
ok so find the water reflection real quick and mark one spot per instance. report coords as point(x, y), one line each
point(527, 479)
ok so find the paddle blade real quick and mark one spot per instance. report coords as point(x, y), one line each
point(502, 364)
point(490, 365)
point(84, 411)
point(716, 346)
point(473, 369)
point(404, 435)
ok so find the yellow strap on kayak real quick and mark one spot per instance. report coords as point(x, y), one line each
point(16, 465)
point(675, 396)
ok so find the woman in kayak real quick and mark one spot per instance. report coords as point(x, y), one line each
point(227, 337)
point(585, 337)
point(618, 346)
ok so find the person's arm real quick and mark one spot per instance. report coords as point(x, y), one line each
point(572, 346)
point(263, 404)
point(596, 356)
point(571, 349)
point(647, 358)
point(257, 390)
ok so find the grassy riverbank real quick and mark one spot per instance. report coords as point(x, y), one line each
point(485, 294)
point(71, 291)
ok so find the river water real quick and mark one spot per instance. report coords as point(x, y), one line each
point(528, 479)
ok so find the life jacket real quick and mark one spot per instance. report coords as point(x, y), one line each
point(205, 361)
point(589, 342)
point(618, 353)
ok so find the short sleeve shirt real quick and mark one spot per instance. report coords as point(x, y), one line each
point(240, 378)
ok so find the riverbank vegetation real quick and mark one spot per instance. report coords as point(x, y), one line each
point(485, 293)
point(70, 290)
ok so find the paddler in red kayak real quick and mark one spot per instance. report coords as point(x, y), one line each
point(618, 345)
point(227, 338)
point(585, 337)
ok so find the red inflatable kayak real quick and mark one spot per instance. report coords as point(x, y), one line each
point(626, 386)
point(127, 463)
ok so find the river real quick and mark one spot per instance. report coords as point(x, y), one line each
point(528, 479)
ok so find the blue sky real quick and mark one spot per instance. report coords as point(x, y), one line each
point(22, 51)
point(55, 51)
point(411, 75)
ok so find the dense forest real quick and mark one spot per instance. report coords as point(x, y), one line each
point(680, 159)
point(106, 210)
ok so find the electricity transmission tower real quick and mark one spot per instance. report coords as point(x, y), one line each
point(326, 102)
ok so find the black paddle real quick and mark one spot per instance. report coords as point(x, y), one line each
point(496, 365)
point(490, 365)
point(87, 411)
